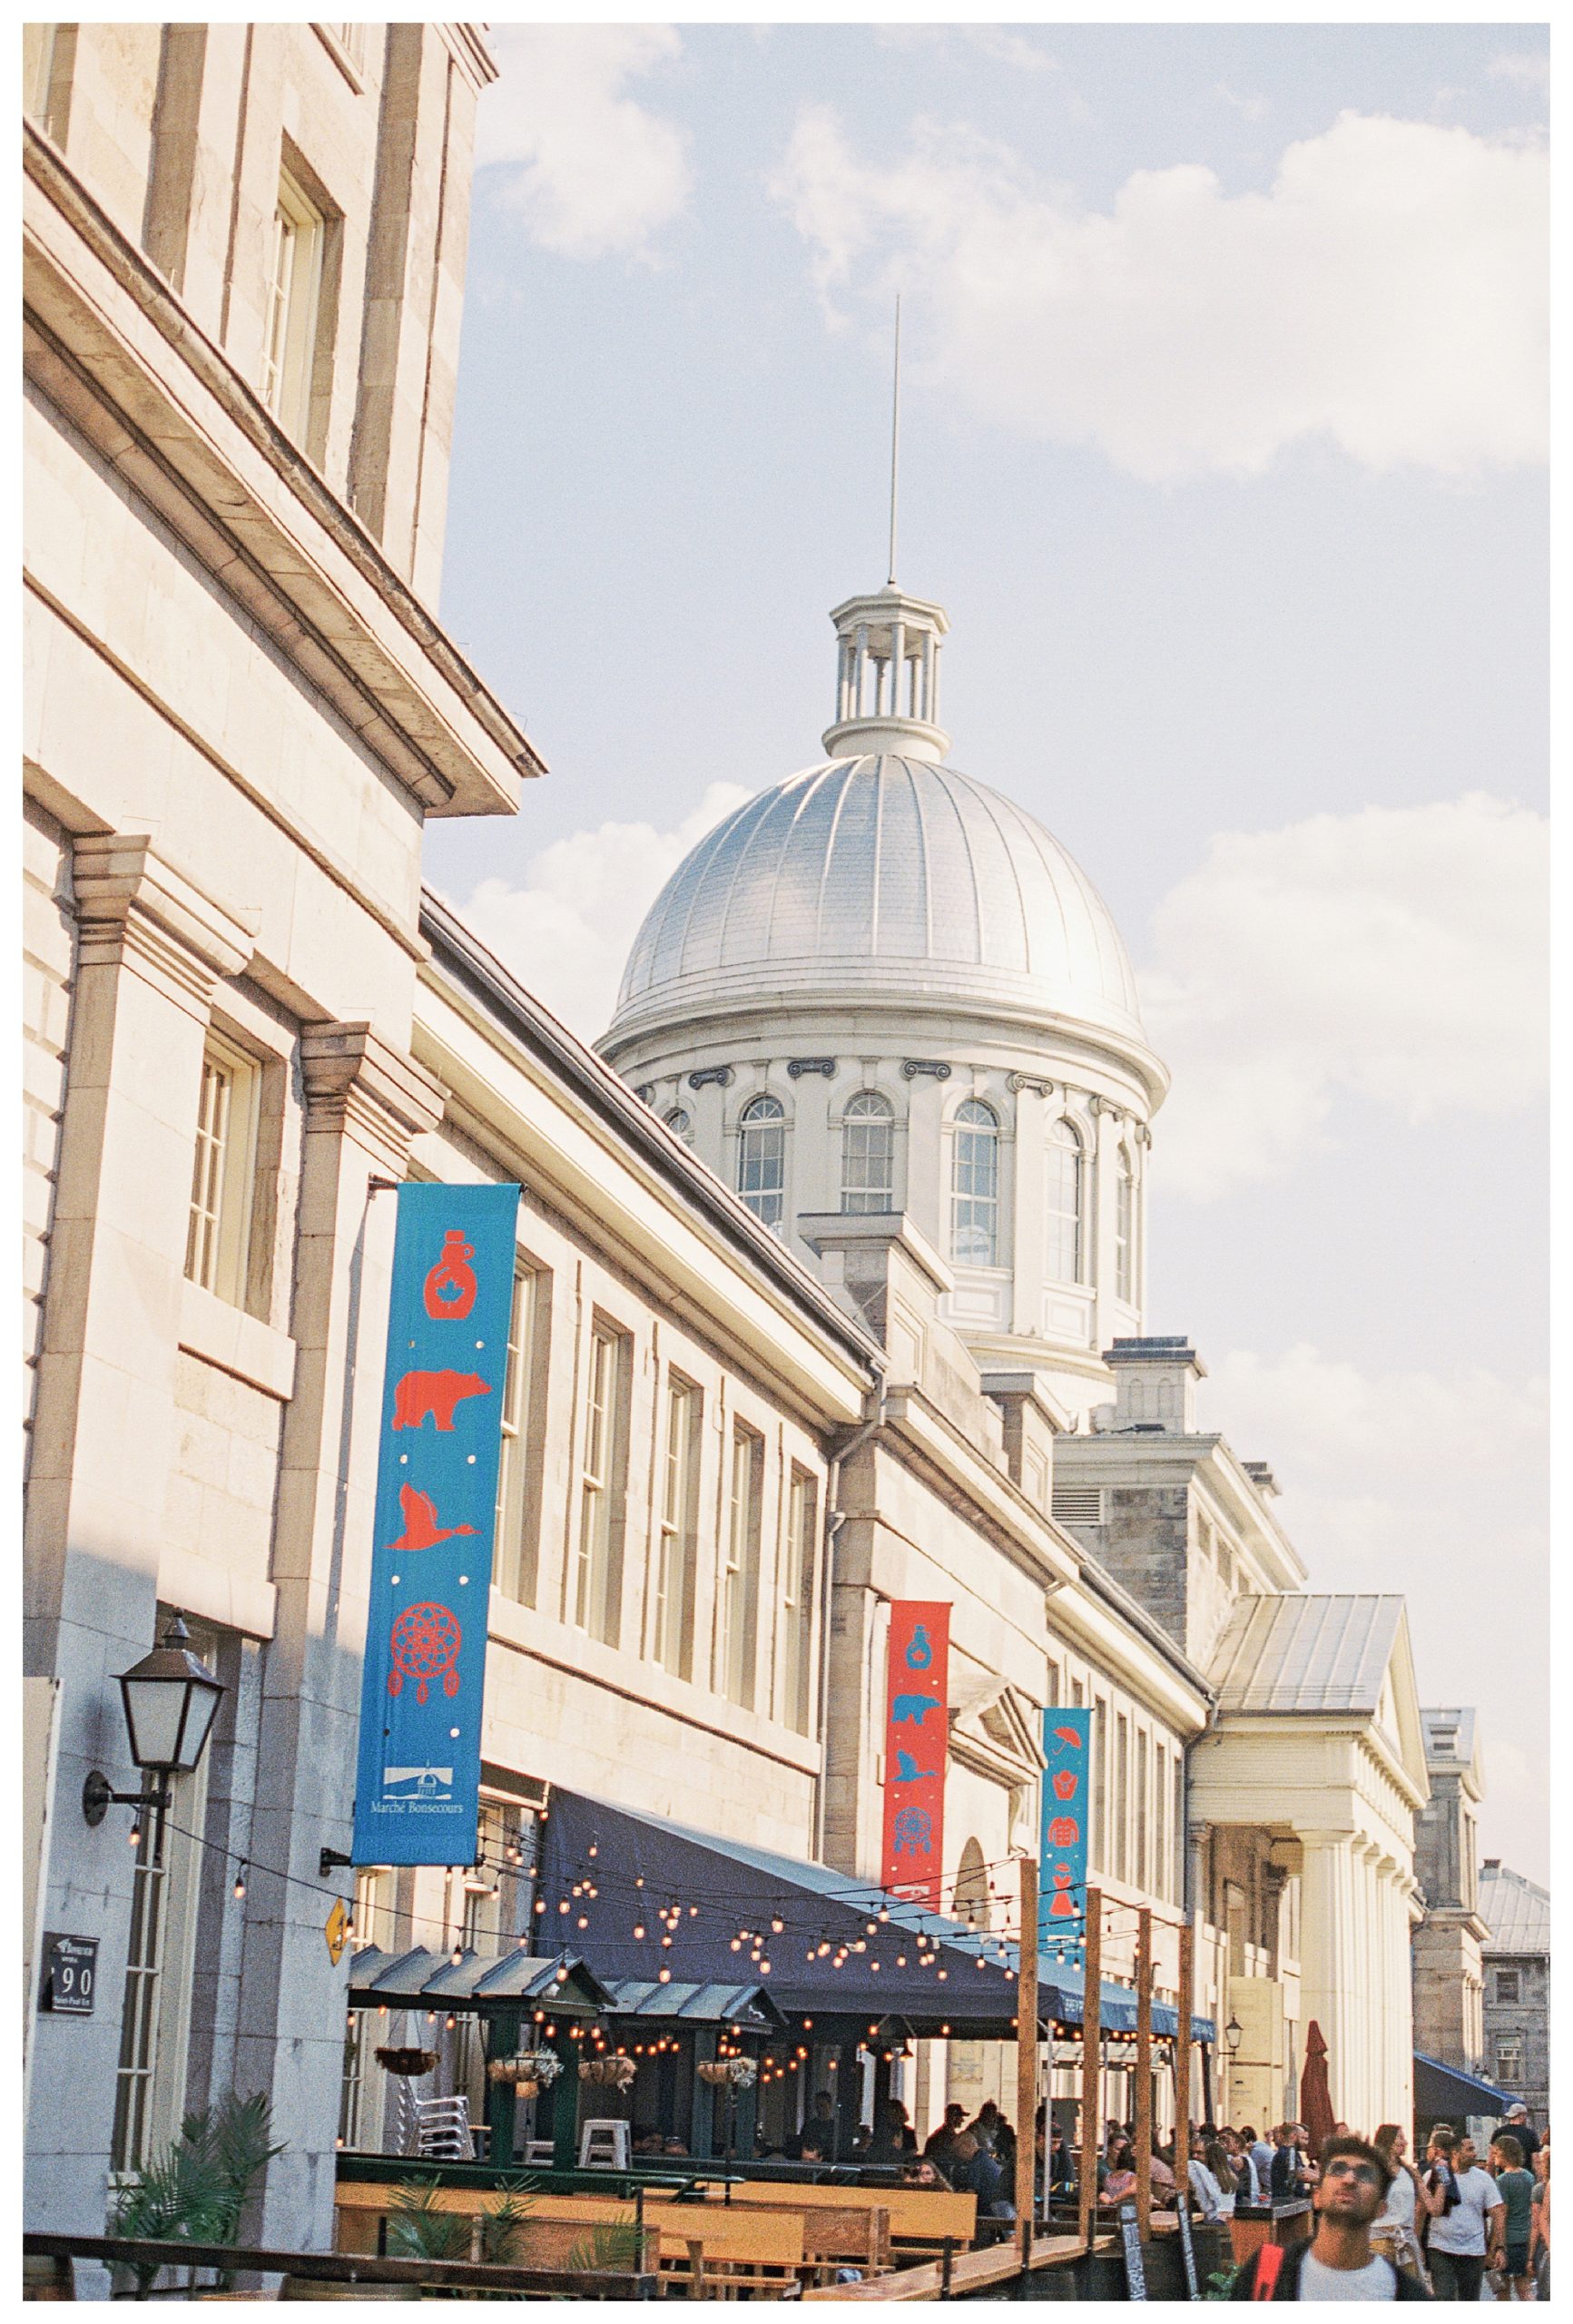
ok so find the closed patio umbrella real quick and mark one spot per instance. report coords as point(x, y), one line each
point(1316, 2102)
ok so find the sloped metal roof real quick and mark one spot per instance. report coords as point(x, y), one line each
point(1517, 1912)
point(400, 1979)
point(696, 2005)
point(1298, 1653)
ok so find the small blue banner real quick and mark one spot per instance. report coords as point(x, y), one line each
point(1062, 1835)
point(417, 1791)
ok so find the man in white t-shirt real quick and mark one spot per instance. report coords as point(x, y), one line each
point(1339, 2262)
point(1466, 2208)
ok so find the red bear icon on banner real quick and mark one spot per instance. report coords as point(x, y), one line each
point(450, 1287)
point(421, 1393)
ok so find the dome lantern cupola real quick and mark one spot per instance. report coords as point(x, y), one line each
point(888, 678)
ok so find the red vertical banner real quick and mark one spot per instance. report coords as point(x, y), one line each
point(916, 1740)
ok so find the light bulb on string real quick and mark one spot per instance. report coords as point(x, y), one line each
point(239, 1889)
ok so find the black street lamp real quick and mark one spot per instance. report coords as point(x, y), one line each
point(1233, 2034)
point(171, 1699)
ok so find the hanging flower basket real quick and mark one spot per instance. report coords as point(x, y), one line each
point(409, 2062)
point(612, 2073)
point(529, 2071)
point(740, 2071)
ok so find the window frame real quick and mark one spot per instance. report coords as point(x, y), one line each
point(762, 1137)
point(224, 1191)
point(293, 307)
point(516, 1556)
point(799, 1568)
point(868, 1124)
point(742, 1549)
point(596, 1576)
point(975, 1210)
point(674, 1582)
point(1125, 1229)
point(1057, 1147)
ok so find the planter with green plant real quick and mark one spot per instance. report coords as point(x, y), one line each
point(196, 2190)
point(420, 2227)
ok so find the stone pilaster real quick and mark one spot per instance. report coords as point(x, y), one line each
point(364, 1102)
point(151, 948)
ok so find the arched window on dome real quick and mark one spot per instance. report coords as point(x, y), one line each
point(678, 1124)
point(975, 1186)
point(761, 1159)
point(1065, 1222)
point(868, 1153)
point(1124, 1230)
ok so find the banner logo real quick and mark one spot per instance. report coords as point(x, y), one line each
point(916, 1743)
point(437, 1488)
point(1062, 1834)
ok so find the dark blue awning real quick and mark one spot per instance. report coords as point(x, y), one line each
point(636, 1894)
point(1447, 2095)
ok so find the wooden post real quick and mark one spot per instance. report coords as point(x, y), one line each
point(1027, 2049)
point(1091, 2079)
point(1188, 2004)
point(1144, 2069)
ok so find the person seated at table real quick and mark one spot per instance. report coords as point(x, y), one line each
point(672, 2146)
point(976, 2171)
point(941, 2144)
point(811, 2147)
point(1119, 2184)
point(647, 2143)
point(821, 2122)
point(893, 2135)
point(916, 2171)
point(1162, 2179)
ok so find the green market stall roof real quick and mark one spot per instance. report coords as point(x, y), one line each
point(643, 1895)
point(423, 1979)
point(748, 2007)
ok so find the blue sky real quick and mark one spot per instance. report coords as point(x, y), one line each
point(1224, 445)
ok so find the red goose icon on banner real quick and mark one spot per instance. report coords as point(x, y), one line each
point(917, 1745)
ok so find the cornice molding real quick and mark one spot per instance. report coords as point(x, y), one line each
point(107, 341)
point(135, 910)
point(359, 1085)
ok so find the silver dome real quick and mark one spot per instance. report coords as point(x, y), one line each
point(887, 875)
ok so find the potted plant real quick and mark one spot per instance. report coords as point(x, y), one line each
point(404, 2058)
point(612, 2073)
point(196, 2190)
point(529, 2071)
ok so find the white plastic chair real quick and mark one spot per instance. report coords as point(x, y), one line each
point(442, 2130)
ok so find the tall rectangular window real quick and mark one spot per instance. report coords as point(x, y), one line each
point(1099, 1748)
point(1125, 1232)
point(516, 1560)
point(294, 295)
point(798, 1569)
point(223, 1172)
point(1179, 1828)
point(131, 2140)
point(597, 1575)
point(1511, 2059)
point(1122, 1797)
point(1160, 1820)
point(1143, 1868)
point(1051, 1695)
point(677, 1539)
point(737, 1625)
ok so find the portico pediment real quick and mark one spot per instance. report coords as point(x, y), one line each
point(994, 1731)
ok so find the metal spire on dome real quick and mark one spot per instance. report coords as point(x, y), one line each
point(895, 440)
point(887, 663)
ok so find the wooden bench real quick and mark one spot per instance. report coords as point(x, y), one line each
point(555, 2226)
point(725, 2253)
point(918, 2215)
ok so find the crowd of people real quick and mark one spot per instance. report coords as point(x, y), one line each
point(1453, 2226)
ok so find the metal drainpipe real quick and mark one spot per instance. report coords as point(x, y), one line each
point(835, 1519)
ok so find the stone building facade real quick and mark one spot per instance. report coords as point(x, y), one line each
point(242, 258)
point(1449, 1974)
point(1516, 1957)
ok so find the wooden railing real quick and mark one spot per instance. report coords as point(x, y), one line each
point(340, 2266)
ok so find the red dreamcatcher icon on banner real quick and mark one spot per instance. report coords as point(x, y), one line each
point(424, 1642)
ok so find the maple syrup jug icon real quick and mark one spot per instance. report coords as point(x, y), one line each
point(920, 1654)
point(450, 1287)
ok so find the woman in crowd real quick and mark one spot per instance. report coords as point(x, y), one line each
point(1120, 2179)
point(1212, 2180)
point(1540, 2228)
point(1516, 2185)
point(1394, 2230)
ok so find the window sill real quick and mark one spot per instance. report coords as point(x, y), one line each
point(234, 1342)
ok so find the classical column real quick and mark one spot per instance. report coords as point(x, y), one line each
point(1026, 1241)
point(151, 949)
point(365, 1101)
point(1327, 1990)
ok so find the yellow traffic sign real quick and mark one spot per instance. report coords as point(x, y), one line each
point(337, 1931)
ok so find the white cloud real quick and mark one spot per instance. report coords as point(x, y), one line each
point(592, 171)
point(1396, 953)
point(1387, 293)
point(1527, 68)
point(566, 930)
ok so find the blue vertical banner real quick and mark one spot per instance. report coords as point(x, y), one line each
point(1062, 1835)
point(417, 1785)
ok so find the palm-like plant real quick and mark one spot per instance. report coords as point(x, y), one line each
point(420, 2228)
point(610, 2247)
point(196, 2190)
